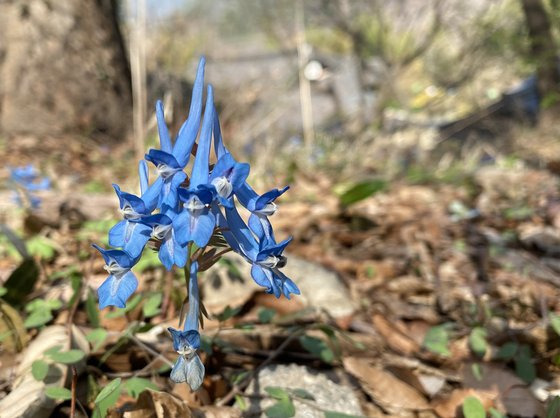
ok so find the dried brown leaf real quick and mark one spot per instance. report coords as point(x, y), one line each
point(389, 392)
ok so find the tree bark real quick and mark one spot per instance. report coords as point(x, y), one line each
point(543, 47)
point(63, 68)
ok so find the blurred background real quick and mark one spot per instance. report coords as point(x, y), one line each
point(422, 145)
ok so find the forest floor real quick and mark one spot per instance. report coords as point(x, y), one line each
point(431, 296)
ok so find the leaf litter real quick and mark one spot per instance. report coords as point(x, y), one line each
point(452, 294)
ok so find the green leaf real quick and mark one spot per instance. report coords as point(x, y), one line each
point(554, 322)
point(437, 340)
point(524, 367)
point(38, 318)
point(108, 390)
point(303, 394)
point(55, 392)
point(507, 351)
point(96, 337)
point(107, 398)
point(21, 282)
point(92, 310)
point(277, 392)
point(334, 414)
point(477, 341)
point(41, 247)
point(473, 408)
point(241, 403)
point(136, 385)
point(53, 304)
point(227, 313)
point(266, 315)
point(149, 260)
point(477, 371)
point(317, 347)
point(39, 370)
point(3, 291)
point(553, 409)
point(67, 357)
point(282, 409)
point(361, 191)
point(151, 306)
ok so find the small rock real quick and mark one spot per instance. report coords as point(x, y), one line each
point(328, 395)
point(320, 288)
point(230, 283)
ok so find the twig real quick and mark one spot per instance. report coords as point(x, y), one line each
point(237, 387)
point(150, 350)
point(74, 383)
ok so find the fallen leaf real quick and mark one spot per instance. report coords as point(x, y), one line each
point(152, 404)
point(389, 392)
point(397, 340)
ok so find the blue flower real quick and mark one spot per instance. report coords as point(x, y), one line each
point(196, 222)
point(266, 257)
point(188, 367)
point(121, 283)
point(163, 230)
point(27, 180)
point(129, 234)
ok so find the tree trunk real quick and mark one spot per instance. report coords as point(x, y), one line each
point(543, 48)
point(63, 68)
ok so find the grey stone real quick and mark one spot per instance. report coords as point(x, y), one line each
point(320, 288)
point(231, 284)
point(329, 396)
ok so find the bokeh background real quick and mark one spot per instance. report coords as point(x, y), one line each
point(422, 145)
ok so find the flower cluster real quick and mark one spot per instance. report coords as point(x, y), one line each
point(186, 217)
point(26, 181)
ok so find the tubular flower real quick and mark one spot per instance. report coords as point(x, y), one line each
point(179, 210)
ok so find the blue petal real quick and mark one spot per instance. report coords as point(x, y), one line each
point(189, 370)
point(198, 228)
point(169, 193)
point(200, 167)
point(137, 236)
point(264, 277)
point(157, 219)
point(143, 175)
point(188, 132)
point(115, 291)
point(239, 175)
point(151, 196)
point(240, 230)
point(127, 198)
point(269, 197)
point(195, 372)
point(219, 147)
point(287, 285)
point(262, 228)
point(247, 196)
point(117, 234)
point(164, 138)
point(171, 252)
point(122, 258)
point(185, 339)
point(274, 249)
point(222, 223)
point(179, 371)
point(157, 157)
